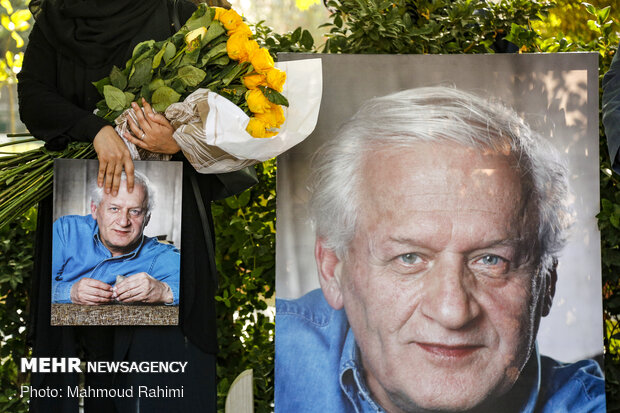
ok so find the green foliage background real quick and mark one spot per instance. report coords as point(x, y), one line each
point(245, 224)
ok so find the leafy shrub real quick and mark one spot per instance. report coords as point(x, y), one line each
point(16, 252)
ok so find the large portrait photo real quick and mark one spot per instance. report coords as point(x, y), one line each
point(437, 245)
point(116, 254)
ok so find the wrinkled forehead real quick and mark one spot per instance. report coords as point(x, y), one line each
point(441, 178)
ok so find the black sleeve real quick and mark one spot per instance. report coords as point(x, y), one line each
point(186, 8)
point(48, 115)
point(611, 111)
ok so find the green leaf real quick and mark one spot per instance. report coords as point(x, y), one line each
point(306, 40)
point(114, 97)
point(190, 75)
point(190, 58)
point(274, 96)
point(101, 83)
point(164, 97)
point(117, 78)
point(157, 58)
point(220, 61)
point(232, 202)
point(236, 71)
point(129, 97)
point(169, 51)
point(615, 220)
point(244, 198)
point(145, 92)
point(214, 30)
point(201, 17)
point(296, 35)
point(590, 8)
point(592, 25)
point(141, 73)
point(603, 14)
point(178, 86)
point(156, 84)
point(214, 53)
point(142, 48)
point(102, 105)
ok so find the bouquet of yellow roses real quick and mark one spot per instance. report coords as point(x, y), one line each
point(219, 89)
point(213, 50)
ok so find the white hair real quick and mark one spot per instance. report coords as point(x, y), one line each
point(96, 192)
point(442, 115)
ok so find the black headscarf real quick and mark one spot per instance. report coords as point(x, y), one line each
point(91, 31)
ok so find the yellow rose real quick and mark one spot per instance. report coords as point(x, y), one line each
point(230, 19)
point(258, 129)
point(261, 60)
point(273, 118)
point(250, 47)
point(276, 79)
point(257, 102)
point(236, 47)
point(193, 38)
point(219, 11)
point(242, 28)
point(253, 81)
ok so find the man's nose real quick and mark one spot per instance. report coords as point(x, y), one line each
point(123, 219)
point(449, 296)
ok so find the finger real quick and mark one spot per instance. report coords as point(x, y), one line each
point(129, 170)
point(159, 119)
point(135, 129)
point(95, 292)
point(101, 174)
point(148, 109)
point(139, 297)
point(100, 285)
point(125, 287)
point(128, 295)
point(118, 170)
point(95, 298)
point(143, 122)
point(138, 142)
point(109, 177)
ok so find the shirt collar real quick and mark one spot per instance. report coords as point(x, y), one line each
point(352, 383)
point(352, 380)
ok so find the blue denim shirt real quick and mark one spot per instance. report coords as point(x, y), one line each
point(317, 369)
point(78, 252)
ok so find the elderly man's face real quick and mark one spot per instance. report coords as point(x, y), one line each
point(442, 305)
point(121, 219)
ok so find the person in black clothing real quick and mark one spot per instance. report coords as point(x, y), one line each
point(74, 43)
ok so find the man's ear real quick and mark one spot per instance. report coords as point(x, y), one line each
point(93, 210)
point(330, 267)
point(551, 279)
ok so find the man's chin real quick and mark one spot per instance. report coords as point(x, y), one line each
point(446, 398)
point(456, 404)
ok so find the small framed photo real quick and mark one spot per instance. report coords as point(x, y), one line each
point(116, 253)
